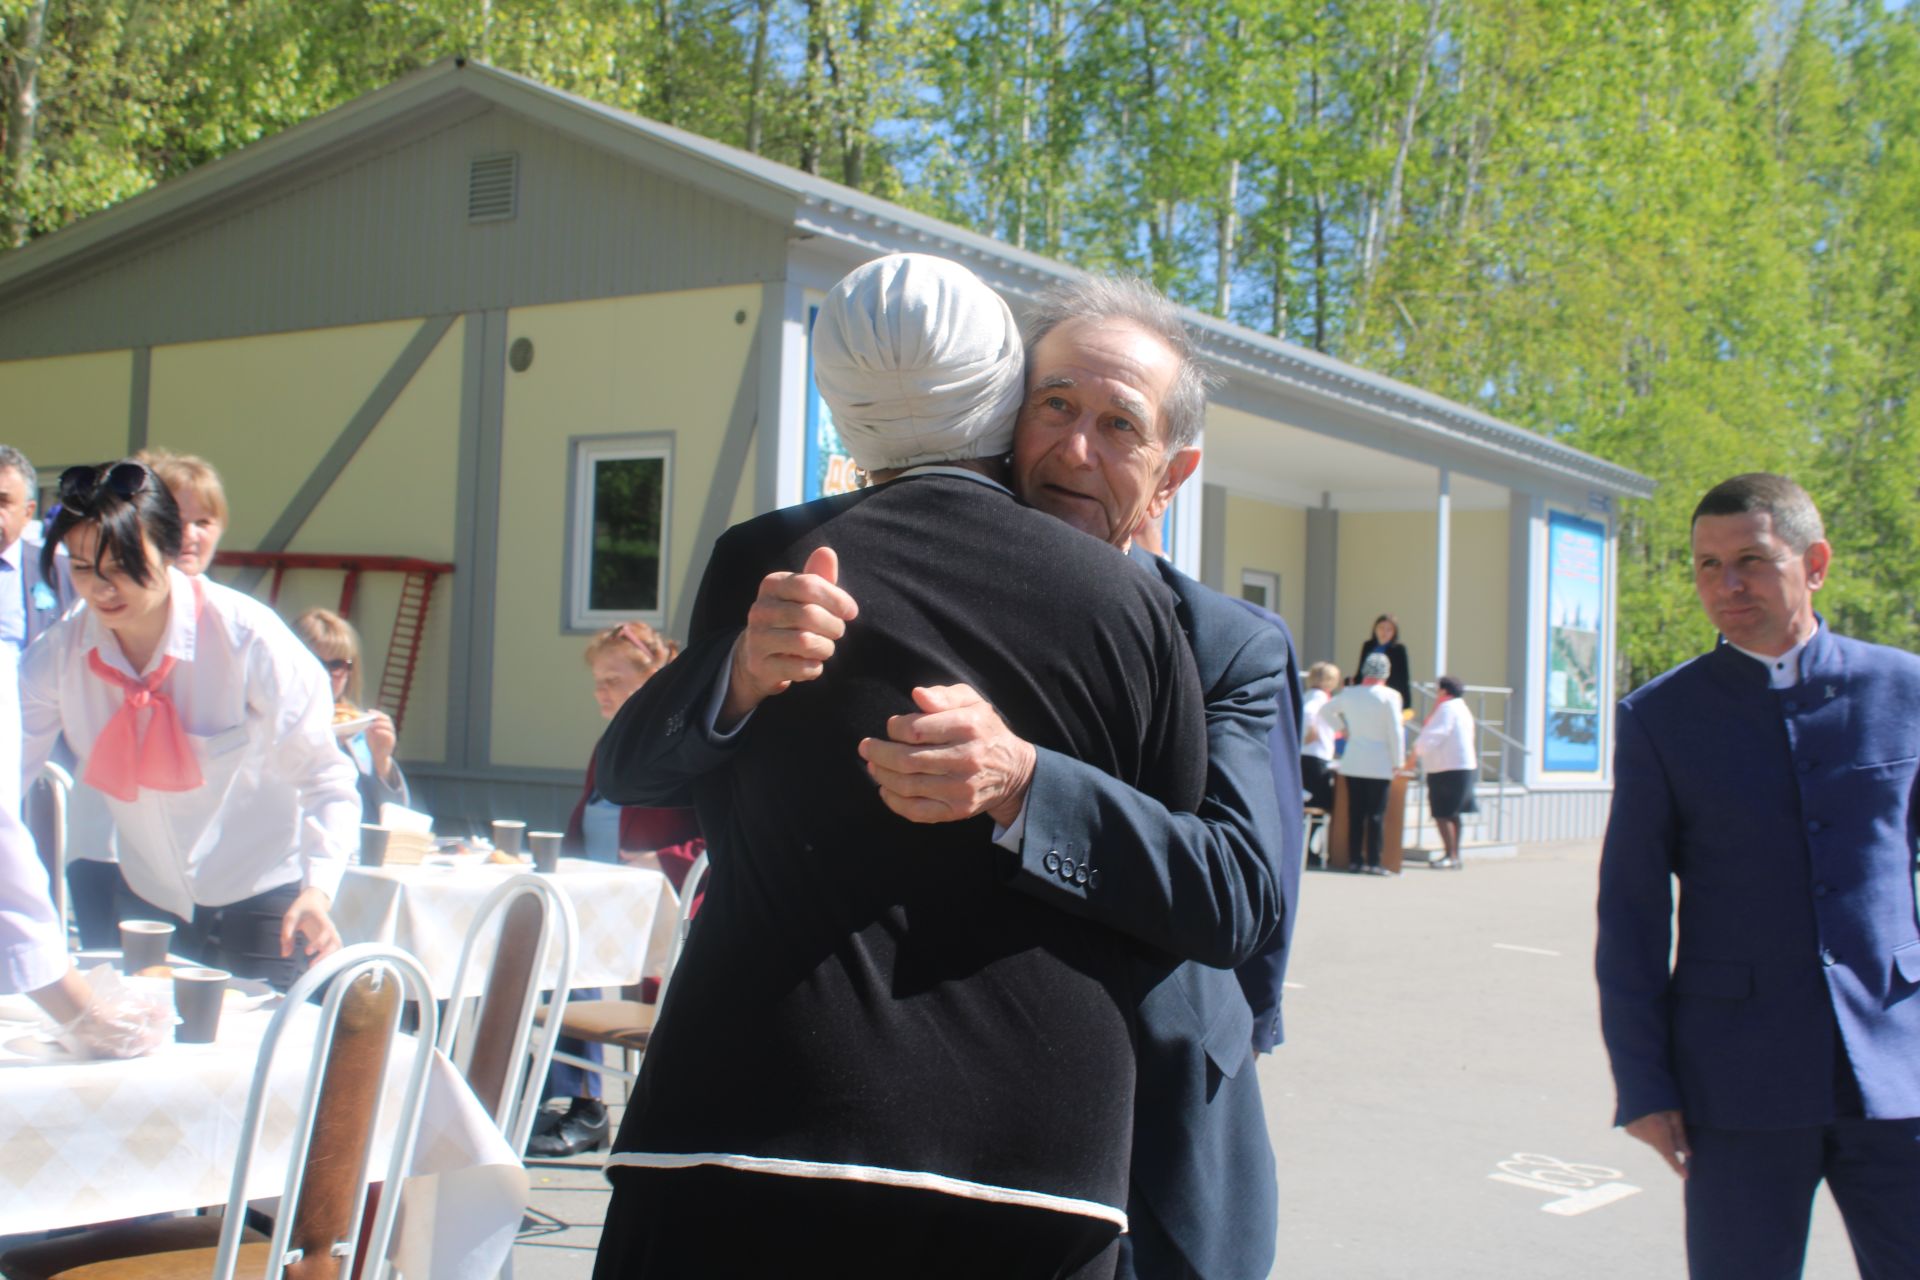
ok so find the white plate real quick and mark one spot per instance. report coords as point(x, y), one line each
point(347, 728)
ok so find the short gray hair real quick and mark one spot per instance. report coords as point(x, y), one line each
point(12, 457)
point(1132, 299)
point(1796, 521)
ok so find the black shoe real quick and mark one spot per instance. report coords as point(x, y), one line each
point(1315, 862)
point(1357, 868)
point(582, 1128)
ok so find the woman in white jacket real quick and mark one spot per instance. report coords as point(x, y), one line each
point(1447, 749)
point(1369, 712)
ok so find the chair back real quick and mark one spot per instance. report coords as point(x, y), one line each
point(689, 894)
point(44, 811)
point(318, 1230)
point(501, 1057)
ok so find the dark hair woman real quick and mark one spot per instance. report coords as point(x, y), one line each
point(1385, 638)
point(205, 723)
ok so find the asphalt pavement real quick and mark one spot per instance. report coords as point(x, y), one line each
point(1441, 1109)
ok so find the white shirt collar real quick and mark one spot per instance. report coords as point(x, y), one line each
point(182, 629)
point(1783, 670)
point(12, 554)
point(942, 469)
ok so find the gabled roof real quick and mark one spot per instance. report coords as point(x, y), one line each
point(813, 206)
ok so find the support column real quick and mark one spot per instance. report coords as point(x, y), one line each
point(1320, 614)
point(1442, 563)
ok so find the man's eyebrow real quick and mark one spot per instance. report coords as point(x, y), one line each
point(1053, 383)
point(1131, 404)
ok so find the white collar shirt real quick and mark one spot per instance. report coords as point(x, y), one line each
point(13, 596)
point(1376, 735)
point(278, 803)
point(1783, 670)
point(1446, 740)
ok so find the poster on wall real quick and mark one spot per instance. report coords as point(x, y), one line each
point(827, 467)
point(1576, 556)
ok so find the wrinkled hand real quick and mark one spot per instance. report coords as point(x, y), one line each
point(308, 918)
point(792, 628)
point(381, 740)
point(1665, 1132)
point(951, 760)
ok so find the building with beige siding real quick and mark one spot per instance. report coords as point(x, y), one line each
point(472, 321)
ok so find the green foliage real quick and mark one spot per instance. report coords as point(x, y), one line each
point(1680, 234)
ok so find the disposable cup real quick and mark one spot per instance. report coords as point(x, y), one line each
point(373, 843)
point(197, 997)
point(509, 836)
point(546, 850)
point(143, 944)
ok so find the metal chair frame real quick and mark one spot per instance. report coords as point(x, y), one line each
point(336, 974)
point(520, 1098)
point(59, 784)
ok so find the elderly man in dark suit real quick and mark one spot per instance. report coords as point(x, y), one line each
point(1215, 886)
point(876, 1059)
point(1775, 779)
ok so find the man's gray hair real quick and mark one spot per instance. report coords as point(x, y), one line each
point(1129, 298)
point(1796, 521)
point(12, 457)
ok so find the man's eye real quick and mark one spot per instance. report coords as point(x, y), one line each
point(1124, 424)
point(1055, 403)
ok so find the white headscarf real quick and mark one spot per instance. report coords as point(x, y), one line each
point(919, 361)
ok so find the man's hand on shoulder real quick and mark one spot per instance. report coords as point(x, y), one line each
point(1665, 1132)
point(953, 759)
point(792, 628)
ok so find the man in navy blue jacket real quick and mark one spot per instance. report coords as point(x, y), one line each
point(1109, 372)
point(1775, 779)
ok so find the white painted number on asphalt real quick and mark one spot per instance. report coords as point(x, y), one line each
point(1577, 1188)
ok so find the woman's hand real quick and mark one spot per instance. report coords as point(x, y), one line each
point(381, 740)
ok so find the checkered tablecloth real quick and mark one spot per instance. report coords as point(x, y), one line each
point(626, 917)
point(84, 1142)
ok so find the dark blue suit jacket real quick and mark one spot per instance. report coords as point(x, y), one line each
point(1788, 817)
point(1219, 885)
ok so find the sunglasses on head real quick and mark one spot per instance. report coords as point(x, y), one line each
point(339, 666)
point(80, 486)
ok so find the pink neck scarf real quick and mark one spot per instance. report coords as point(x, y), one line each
point(123, 758)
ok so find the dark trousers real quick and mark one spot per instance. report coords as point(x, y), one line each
point(1366, 819)
point(1750, 1198)
point(1147, 1252)
point(93, 891)
point(711, 1221)
point(564, 1080)
point(243, 937)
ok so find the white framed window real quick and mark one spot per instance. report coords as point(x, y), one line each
point(1257, 586)
point(619, 512)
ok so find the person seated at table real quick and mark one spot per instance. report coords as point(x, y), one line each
point(335, 642)
point(202, 500)
point(622, 659)
point(205, 723)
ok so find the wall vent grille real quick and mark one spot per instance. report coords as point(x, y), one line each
point(493, 184)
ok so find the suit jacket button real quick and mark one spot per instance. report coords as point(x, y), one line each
point(1093, 879)
point(1820, 891)
point(1814, 825)
point(1066, 868)
point(1082, 875)
point(1052, 861)
point(1827, 958)
point(1791, 705)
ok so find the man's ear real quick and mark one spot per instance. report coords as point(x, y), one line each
point(1179, 467)
point(1819, 558)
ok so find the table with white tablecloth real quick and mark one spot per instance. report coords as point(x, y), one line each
point(626, 916)
point(84, 1142)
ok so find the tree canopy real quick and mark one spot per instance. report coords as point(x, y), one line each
point(1681, 235)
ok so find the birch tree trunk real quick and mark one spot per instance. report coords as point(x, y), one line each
point(23, 119)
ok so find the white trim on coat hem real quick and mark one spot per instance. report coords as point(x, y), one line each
point(869, 1173)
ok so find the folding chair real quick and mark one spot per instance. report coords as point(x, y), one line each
point(505, 1073)
point(627, 1024)
point(318, 1232)
point(44, 811)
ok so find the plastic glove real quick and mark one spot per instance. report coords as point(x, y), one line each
point(117, 1022)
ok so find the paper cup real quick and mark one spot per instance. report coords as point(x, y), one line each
point(546, 850)
point(197, 997)
point(509, 836)
point(373, 843)
point(143, 944)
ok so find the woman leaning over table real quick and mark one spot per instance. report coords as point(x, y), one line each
point(205, 723)
point(622, 659)
point(335, 642)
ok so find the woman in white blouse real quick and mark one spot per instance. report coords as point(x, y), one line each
point(1449, 753)
point(1376, 742)
point(207, 725)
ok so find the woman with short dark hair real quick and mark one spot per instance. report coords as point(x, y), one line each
point(1448, 750)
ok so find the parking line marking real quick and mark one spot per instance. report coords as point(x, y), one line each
point(1294, 986)
point(1532, 951)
